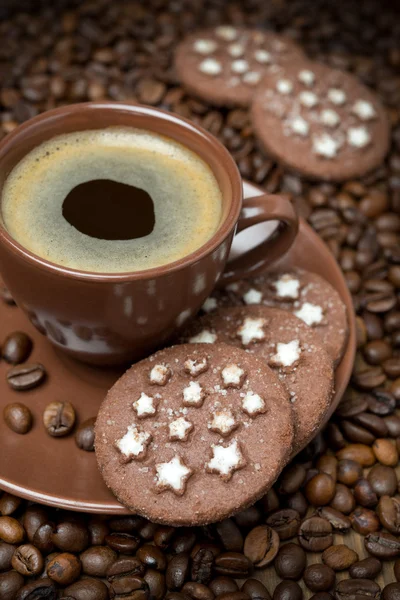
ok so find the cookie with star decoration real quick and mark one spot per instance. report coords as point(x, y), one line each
point(225, 64)
point(321, 122)
point(191, 424)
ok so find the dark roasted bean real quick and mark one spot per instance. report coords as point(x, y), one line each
point(357, 589)
point(255, 590)
point(230, 535)
point(319, 578)
point(59, 418)
point(71, 536)
point(232, 564)
point(364, 494)
point(152, 557)
point(315, 534)
point(291, 479)
point(285, 522)
point(97, 560)
point(364, 521)
point(386, 452)
point(41, 589)
point(381, 403)
point(359, 453)
point(391, 591)
point(84, 436)
point(6, 554)
point(16, 347)
point(328, 464)
point(382, 545)
point(125, 566)
point(374, 424)
point(43, 538)
point(27, 560)
point(202, 564)
point(197, 591)
point(290, 561)
point(156, 583)
point(269, 503)
point(18, 417)
point(163, 536)
point(355, 433)
point(34, 516)
point(320, 489)
point(339, 557)
point(177, 571)
point(383, 480)
point(223, 585)
point(261, 545)
point(343, 500)
point(250, 517)
point(87, 589)
point(122, 542)
point(10, 584)
point(389, 514)
point(352, 406)
point(183, 541)
point(26, 376)
point(64, 569)
point(11, 531)
point(349, 472)
point(338, 520)
point(288, 590)
point(9, 504)
point(368, 568)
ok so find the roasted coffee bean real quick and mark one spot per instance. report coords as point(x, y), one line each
point(364, 494)
point(43, 538)
point(389, 514)
point(328, 464)
point(145, 529)
point(355, 433)
point(352, 406)
point(339, 557)
point(261, 545)
point(59, 418)
point(163, 536)
point(34, 516)
point(320, 489)
point(202, 564)
point(382, 545)
point(88, 589)
point(285, 522)
point(315, 534)
point(26, 376)
point(232, 564)
point(290, 561)
point(129, 586)
point(368, 568)
point(18, 417)
point(6, 554)
point(374, 424)
point(364, 521)
point(357, 589)
point(183, 541)
point(125, 566)
point(369, 378)
point(391, 591)
point(255, 590)
point(41, 589)
point(234, 596)
point(84, 436)
point(359, 453)
point(381, 403)
point(298, 503)
point(10, 584)
point(349, 472)
point(156, 584)
point(177, 571)
point(9, 504)
point(335, 437)
point(27, 560)
point(377, 351)
point(64, 569)
point(212, 547)
point(252, 516)
point(223, 585)
point(391, 366)
point(383, 480)
point(319, 578)
point(270, 503)
point(321, 596)
point(197, 591)
point(11, 530)
point(337, 519)
point(287, 590)
point(230, 535)
point(386, 452)
point(16, 347)
point(97, 560)
point(98, 529)
point(291, 479)
point(393, 425)
point(152, 557)
point(129, 524)
point(71, 536)
point(343, 500)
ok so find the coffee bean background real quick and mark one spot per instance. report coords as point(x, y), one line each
point(331, 525)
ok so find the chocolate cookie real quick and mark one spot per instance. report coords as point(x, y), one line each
point(225, 64)
point(288, 346)
point(194, 433)
point(305, 294)
point(321, 122)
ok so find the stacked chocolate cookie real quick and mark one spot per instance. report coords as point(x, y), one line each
point(321, 122)
point(220, 413)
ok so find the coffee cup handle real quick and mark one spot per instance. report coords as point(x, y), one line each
point(259, 209)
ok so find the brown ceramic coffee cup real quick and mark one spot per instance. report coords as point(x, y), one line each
point(107, 319)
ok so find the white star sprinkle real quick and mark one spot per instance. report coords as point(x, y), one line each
point(364, 110)
point(203, 337)
point(329, 117)
point(337, 96)
point(223, 422)
point(251, 330)
point(144, 406)
point(253, 404)
point(284, 86)
point(311, 314)
point(286, 354)
point(193, 394)
point(233, 376)
point(307, 77)
point(325, 145)
point(299, 125)
point(308, 99)
point(205, 46)
point(226, 32)
point(287, 286)
point(226, 460)
point(133, 445)
point(173, 475)
point(195, 366)
point(179, 429)
point(160, 375)
point(252, 296)
point(210, 66)
point(358, 137)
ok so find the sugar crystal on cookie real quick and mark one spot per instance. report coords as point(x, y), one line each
point(311, 314)
point(193, 394)
point(133, 445)
point(144, 406)
point(226, 460)
point(173, 475)
point(223, 422)
point(287, 355)
point(251, 330)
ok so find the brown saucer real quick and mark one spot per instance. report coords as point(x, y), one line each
point(54, 471)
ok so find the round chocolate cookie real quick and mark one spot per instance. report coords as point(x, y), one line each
point(322, 122)
point(305, 294)
point(194, 433)
point(224, 65)
point(288, 346)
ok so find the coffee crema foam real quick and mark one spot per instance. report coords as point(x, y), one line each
point(186, 196)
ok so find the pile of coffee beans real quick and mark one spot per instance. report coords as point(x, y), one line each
point(330, 527)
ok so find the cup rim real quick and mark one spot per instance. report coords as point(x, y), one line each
point(224, 229)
